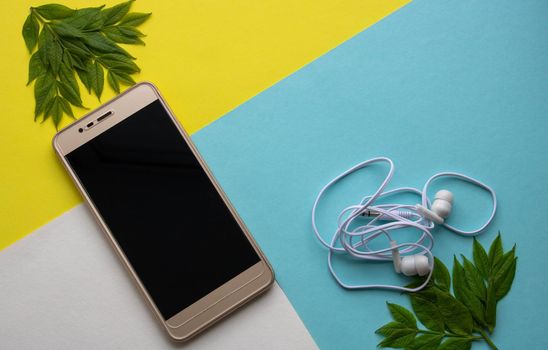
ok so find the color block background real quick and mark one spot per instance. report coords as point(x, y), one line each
point(207, 57)
point(445, 85)
point(437, 86)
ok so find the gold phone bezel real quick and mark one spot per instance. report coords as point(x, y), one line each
point(215, 305)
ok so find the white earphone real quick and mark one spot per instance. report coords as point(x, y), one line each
point(411, 265)
point(441, 207)
point(410, 258)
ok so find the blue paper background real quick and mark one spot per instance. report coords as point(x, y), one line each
point(439, 85)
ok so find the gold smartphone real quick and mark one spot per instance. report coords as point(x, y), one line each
point(162, 210)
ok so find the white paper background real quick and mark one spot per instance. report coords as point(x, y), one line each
point(62, 287)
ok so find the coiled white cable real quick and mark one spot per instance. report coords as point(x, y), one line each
point(388, 218)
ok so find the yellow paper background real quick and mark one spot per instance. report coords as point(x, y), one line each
point(207, 57)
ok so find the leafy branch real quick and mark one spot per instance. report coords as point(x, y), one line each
point(79, 42)
point(454, 321)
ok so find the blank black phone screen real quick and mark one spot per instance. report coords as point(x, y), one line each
point(163, 211)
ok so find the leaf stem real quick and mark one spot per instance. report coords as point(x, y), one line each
point(37, 15)
point(488, 340)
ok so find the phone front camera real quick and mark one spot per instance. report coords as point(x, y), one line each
point(80, 130)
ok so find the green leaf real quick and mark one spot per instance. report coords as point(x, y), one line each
point(113, 82)
point(397, 335)
point(78, 63)
point(456, 316)
point(426, 342)
point(402, 315)
point(47, 110)
point(134, 19)
point(130, 31)
point(473, 279)
point(66, 30)
point(66, 107)
point(459, 318)
point(55, 110)
point(77, 48)
point(84, 78)
point(30, 32)
point(394, 327)
point(102, 44)
point(495, 252)
point(88, 19)
point(503, 281)
point(465, 295)
point(82, 17)
point(51, 53)
point(66, 74)
point(116, 34)
point(36, 67)
point(400, 340)
point(74, 61)
point(56, 56)
point(503, 273)
point(72, 95)
point(114, 14)
point(44, 91)
point(456, 344)
point(44, 40)
point(441, 275)
point(481, 260)
point(96, 78)
point(503, 262)
point(476, 308)
point(458, 278)
point(82, 41)
point(67, 59)
point(119, 62)
point(54, 11)
point(491, 308)
point(424, 306)
point(123, 78)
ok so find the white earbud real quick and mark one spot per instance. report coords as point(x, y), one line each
point(410, 265)
point(440, 209)
point(415, 265)
point(443, 203)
